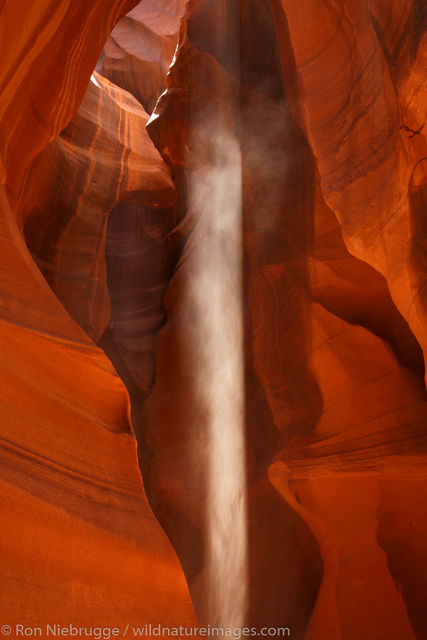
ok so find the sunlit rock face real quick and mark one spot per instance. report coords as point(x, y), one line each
point(213, 255)
point(139, 51)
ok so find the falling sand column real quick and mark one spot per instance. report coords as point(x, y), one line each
point(215, 291)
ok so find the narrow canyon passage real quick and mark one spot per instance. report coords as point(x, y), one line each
point(212, 249)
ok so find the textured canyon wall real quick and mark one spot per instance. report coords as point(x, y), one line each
point(79, 542)
point(326, 103)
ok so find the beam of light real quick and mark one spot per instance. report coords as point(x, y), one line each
point(216, 292)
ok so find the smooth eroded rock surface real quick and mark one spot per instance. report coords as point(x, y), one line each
point(306, 122)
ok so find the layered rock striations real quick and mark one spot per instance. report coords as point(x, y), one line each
point(313, 113)
point(79, 542)
point(103, 157)
point(38, 100)
point(140, 49)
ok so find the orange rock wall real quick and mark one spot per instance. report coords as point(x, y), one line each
point(79, 541)
point(328, 103)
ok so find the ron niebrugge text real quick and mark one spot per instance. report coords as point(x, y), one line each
point(146, 631)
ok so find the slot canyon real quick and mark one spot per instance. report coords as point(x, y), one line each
point(213, 311)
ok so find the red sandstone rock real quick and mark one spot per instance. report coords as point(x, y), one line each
point(350, 71)
point(348, 399)
point(104, 156)
point(79, 541)
point(38, 101)
point(327, 101)
point(141, 47)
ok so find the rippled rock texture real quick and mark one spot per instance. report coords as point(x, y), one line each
point(313, 112)
point(79, 542)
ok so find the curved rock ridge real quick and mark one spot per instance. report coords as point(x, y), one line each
point(140, 49)
point(366, 143)
point(71, 490)
point(104, 156)
point(79, 541)
point(37, 101)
